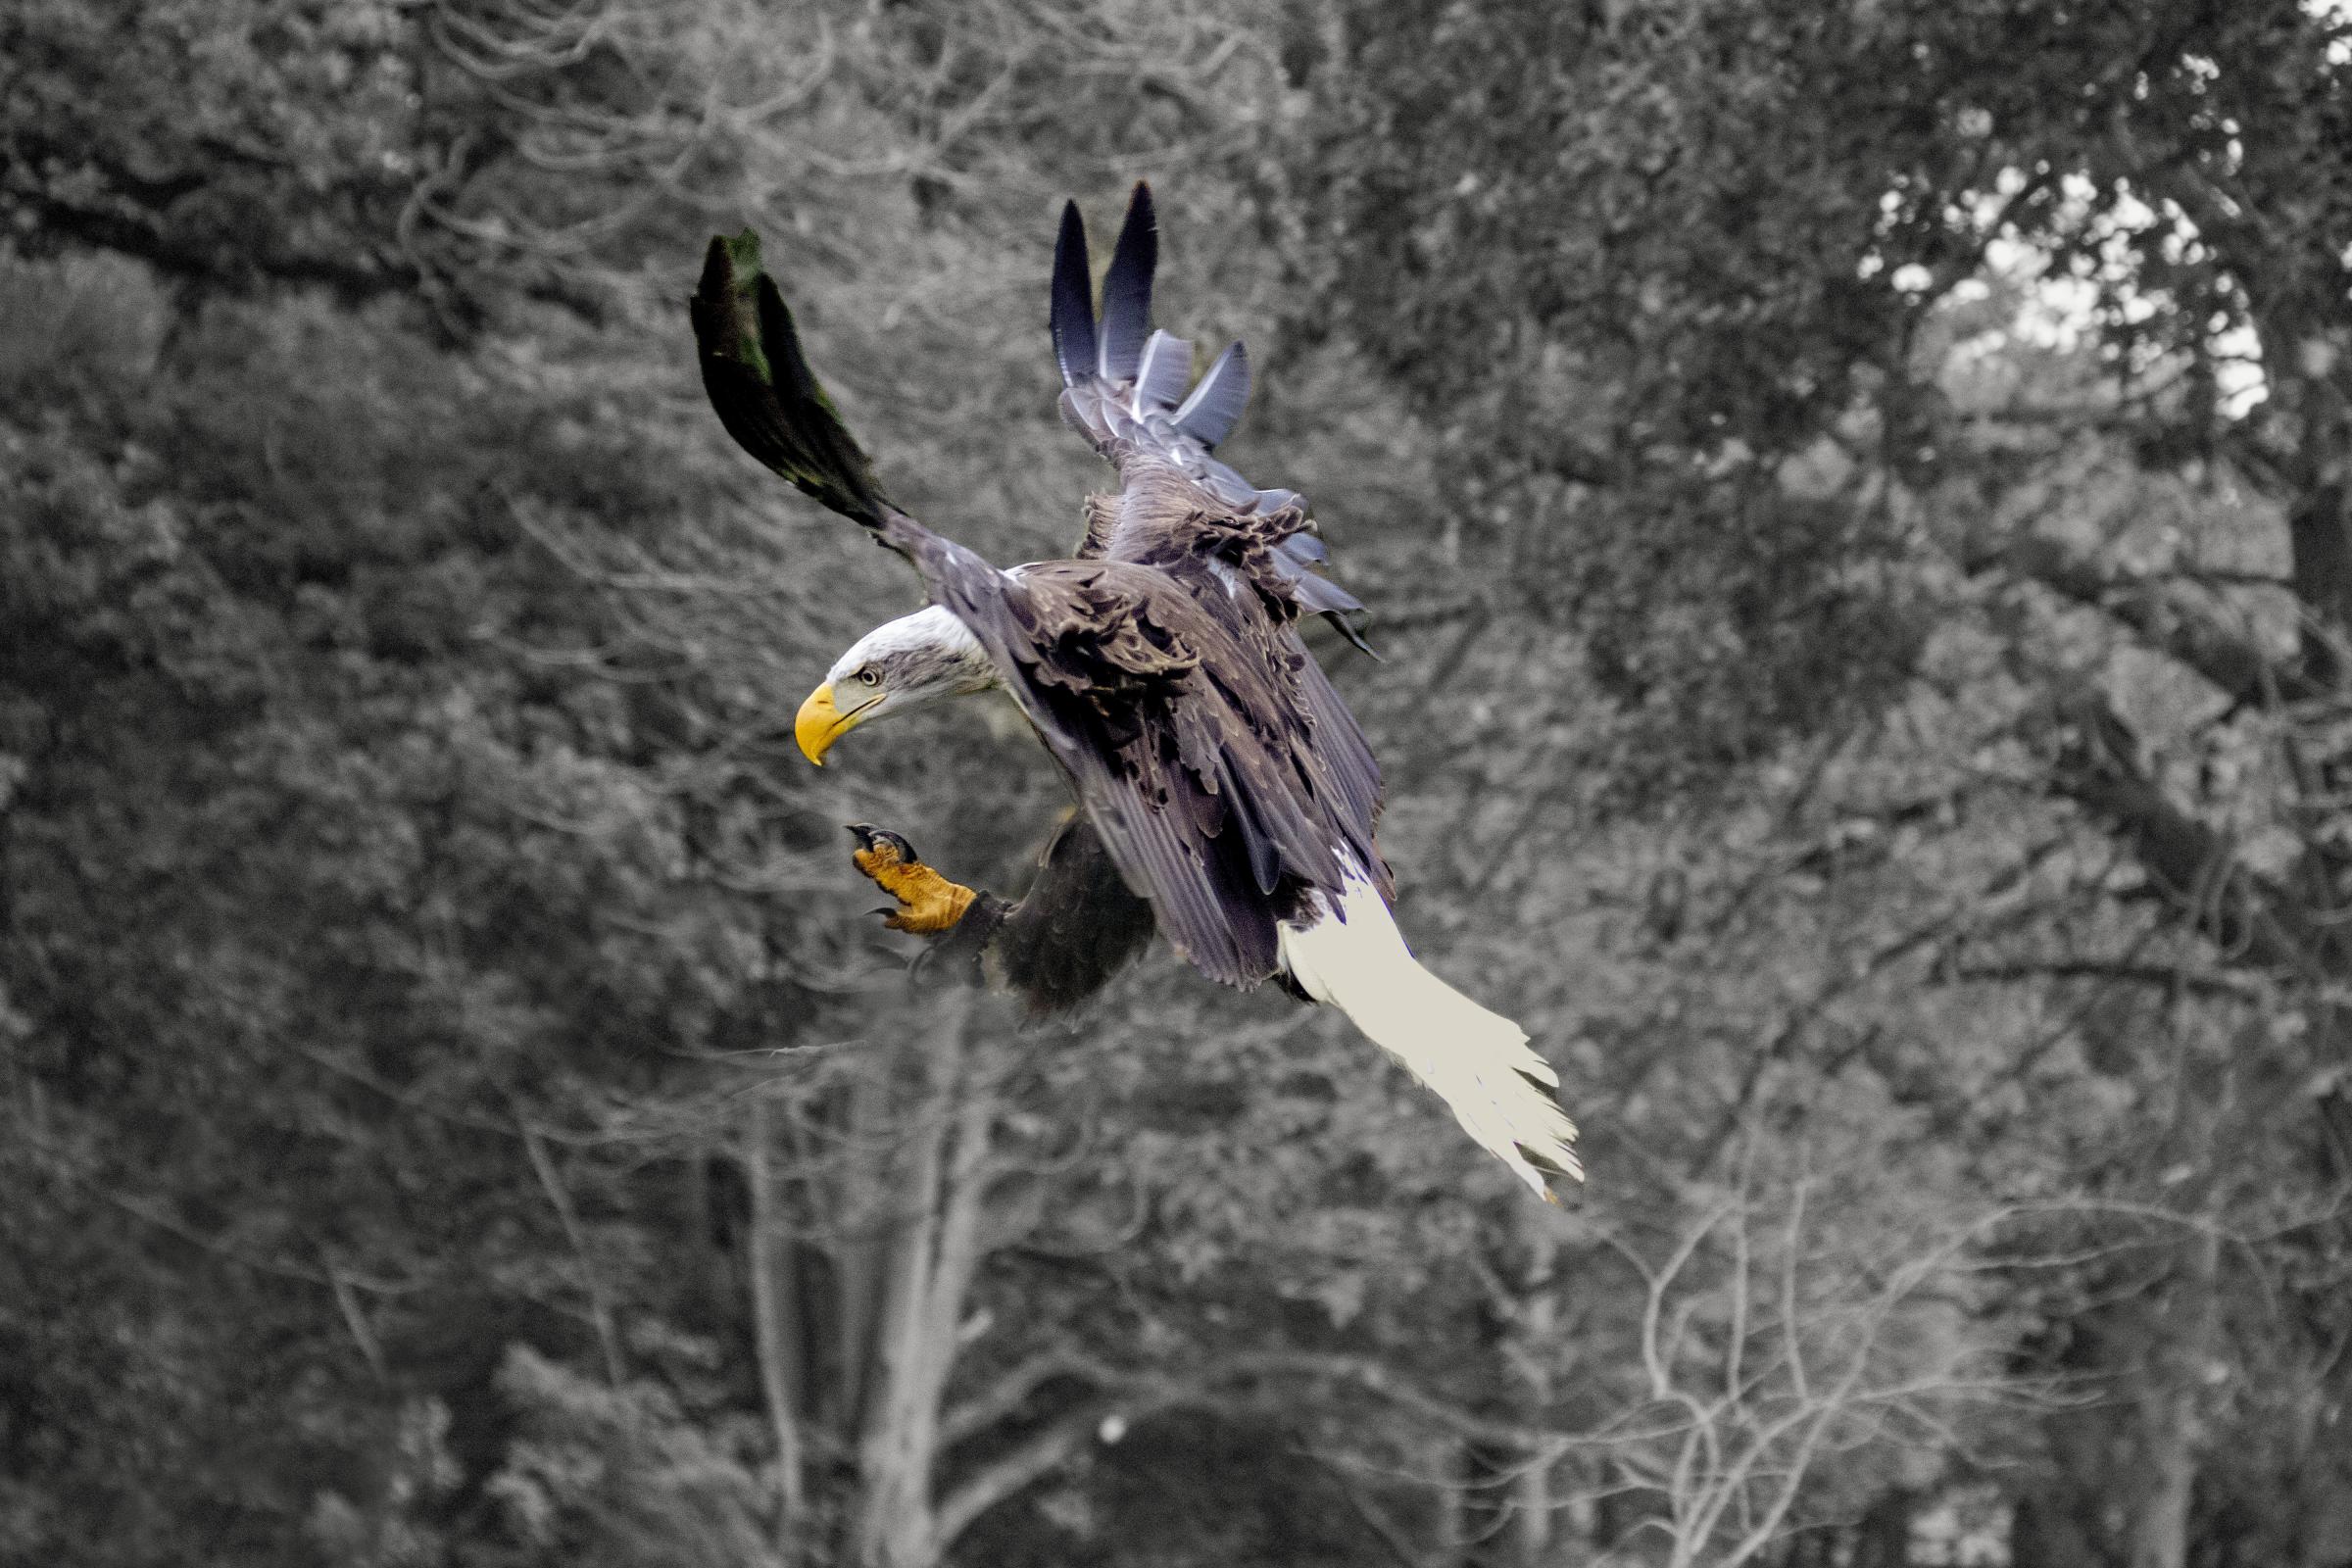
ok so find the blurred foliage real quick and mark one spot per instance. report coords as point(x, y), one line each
point(1855, 505)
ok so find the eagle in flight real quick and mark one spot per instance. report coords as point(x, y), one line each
point(1225, 795)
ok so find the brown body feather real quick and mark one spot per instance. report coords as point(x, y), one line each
point(1224, 776)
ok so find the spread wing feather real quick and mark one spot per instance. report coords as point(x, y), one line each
point(1160, 378)
point(1343, 749)
point(1215, 406)
point(1073, 316)
point(1127, 290)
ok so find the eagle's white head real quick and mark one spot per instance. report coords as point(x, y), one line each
point(905, 663)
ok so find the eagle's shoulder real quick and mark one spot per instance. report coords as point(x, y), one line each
point(1115, 626)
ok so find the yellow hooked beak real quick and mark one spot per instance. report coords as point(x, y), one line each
point(818, 723)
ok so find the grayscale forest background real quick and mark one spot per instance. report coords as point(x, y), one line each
point(1858, 503)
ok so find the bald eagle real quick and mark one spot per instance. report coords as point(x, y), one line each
point(1225, 794)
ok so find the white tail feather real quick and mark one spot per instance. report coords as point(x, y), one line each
point(1478, 1062)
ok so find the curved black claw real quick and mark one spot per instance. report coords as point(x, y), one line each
point(868, 835)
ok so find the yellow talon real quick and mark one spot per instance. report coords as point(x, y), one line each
point(928, 903)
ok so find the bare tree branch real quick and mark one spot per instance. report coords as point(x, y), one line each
point(1025, 1464)
point(2162, 976)
point(2163, 616)
point(1005, 1397)
point(2251, 919)
point(600, 1305)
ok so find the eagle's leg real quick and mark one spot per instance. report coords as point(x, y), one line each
point(1075, 927)
point(928, 903)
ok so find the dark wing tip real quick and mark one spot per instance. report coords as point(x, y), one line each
point(1127, 290)
point(718, 269)
point(763, 388)
point(1073, 304)
point(724, 309)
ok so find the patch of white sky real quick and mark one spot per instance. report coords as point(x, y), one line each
point(2059, 310)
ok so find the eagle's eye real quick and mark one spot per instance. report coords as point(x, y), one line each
point(869, 676)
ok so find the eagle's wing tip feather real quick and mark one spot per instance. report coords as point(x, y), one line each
point(1072, 312)
point(1126, 318)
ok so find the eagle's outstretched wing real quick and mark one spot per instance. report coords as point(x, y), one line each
point(1124, 389)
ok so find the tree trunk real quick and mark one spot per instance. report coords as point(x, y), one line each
point(1539, 1321)
point(2046, 1532)
point(2319, 520)
point(891, 1521)
point(933, 1251)
point(2172, 1422)
point(1882, 1535)
point(1507, 1511)
point(774, 1327)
